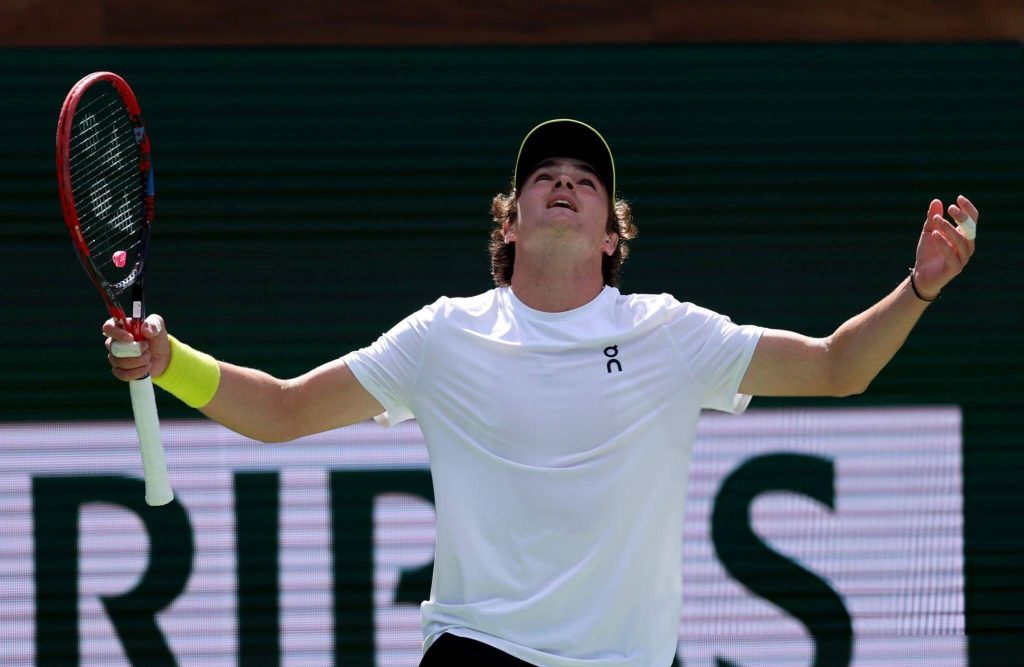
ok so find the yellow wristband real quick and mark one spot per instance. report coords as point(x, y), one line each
point(191, 375)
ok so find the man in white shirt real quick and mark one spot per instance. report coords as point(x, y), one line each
point(559, 414)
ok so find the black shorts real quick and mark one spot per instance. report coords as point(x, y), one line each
point(452, 651)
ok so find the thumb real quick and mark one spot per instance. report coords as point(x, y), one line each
point(154, 331)
point(153, 327)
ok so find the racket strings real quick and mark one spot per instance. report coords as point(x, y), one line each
point(86, 143)
point(85, 139)
point(106, 182)
point(106, 194)
point(111, 221)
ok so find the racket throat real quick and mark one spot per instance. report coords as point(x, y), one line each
point(133, 324)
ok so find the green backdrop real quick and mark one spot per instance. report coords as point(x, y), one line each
point(310, 198)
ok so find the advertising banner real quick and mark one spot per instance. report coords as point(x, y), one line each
point(825, 537)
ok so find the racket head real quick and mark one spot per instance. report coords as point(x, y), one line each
point(105, 183)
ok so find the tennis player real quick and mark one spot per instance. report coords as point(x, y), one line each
point(559, 413)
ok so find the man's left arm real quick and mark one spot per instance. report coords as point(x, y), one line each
point(845, 363)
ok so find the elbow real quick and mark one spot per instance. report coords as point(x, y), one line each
point(846, 387)
point(845, 377)
point(845, 391)
point(272, 438)
point(280, 431)
point(267, 434)
point(843, 385)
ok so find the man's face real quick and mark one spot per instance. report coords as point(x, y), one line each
point(563, 198)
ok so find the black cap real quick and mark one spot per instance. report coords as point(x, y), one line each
point(565, 137)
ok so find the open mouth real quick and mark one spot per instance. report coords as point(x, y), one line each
point(561, 203)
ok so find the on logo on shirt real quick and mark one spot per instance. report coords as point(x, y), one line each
point(611, 352)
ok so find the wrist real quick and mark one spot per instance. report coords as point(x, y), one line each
point(920, 294)
point(191, 375)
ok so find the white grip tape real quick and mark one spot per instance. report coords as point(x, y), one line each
point(147, 423)
point(132, 349)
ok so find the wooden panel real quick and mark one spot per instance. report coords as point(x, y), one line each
point(440, 22)
point(850, 20)
point(359, 23)
point(30, 22)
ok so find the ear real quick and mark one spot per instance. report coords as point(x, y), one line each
point(509, 231)
point(611, 242)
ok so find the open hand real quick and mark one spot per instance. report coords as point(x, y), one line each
point(943, 249)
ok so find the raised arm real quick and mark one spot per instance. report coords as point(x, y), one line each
point(252, 402)
point(790, 364)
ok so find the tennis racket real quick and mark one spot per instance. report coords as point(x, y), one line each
point(105, 179)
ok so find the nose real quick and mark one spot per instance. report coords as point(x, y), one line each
point(566, 181)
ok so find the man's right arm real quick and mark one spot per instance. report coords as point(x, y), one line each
point(252, 402)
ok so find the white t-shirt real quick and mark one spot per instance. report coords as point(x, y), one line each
point(559, 447)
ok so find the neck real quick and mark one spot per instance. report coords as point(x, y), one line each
point(555, 288)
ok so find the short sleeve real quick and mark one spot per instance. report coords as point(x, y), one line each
point(716, 353)
point(389, 367)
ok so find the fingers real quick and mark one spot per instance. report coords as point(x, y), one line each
point(152, 327)
point(966, 216)
point(944, 249)
point(966, 205)
point(948, 250)
point(130, 368)
point(154, 348)
point(950, 237)
point(113, 328)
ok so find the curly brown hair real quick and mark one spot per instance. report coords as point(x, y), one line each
point(503, 255)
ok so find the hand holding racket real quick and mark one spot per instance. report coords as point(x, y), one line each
point(105, 180)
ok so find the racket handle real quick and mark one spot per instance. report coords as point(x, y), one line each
point(147, 423)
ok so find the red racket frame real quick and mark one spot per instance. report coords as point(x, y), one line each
point(134, 279)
